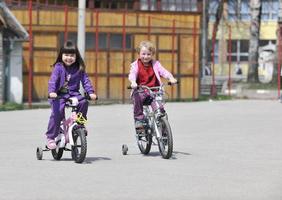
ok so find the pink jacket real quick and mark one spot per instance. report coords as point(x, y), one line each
point(159, 70)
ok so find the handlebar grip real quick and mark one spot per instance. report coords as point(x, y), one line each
point(87, 96)
point(170, 83)
point(129, 87)
point(57, 97)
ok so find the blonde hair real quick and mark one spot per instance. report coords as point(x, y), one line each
point(148, 45)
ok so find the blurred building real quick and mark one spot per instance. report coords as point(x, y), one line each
point(236, 15)
point(12, 35)
point(114, 28)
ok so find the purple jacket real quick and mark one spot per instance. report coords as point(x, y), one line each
point(159, 70)
point(60, 74)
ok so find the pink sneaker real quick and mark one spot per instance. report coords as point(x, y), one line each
point(51, 144)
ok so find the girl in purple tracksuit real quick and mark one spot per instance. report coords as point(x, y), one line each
point(68, 73)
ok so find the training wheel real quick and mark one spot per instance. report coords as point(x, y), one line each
point(39, 153)
point(124, 149)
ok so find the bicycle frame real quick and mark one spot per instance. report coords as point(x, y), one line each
point(152, 121)
point(72, 131)
point(157, 93)
point(65, 136)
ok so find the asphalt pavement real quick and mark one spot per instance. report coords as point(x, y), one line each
point(223, 150)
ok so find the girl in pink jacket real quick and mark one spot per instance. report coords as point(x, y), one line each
point(148, 72)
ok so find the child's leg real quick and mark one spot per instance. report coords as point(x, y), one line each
point(58, 113)
point(138, 99)
point(83, 107)
point(157, 106)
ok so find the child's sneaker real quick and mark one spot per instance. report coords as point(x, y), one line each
point(51, 144)
point(160, 113)
point(139, 124)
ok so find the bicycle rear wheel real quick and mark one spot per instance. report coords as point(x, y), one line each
point(144, 141)
point(79, 148)
point(165, 142)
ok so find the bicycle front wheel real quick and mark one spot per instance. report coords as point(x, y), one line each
point(144, 141)
point(165, 142)
point(79, 148)
point(57, 153)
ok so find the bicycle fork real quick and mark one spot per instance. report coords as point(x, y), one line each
point(158, 134)
point(152, 122)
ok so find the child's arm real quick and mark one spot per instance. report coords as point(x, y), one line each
point(52, 83)
point(132, 76)
point(86, 83)
point(133, 84)
point(165, 73)
point(172, 80)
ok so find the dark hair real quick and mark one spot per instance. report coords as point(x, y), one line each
point(70, 48)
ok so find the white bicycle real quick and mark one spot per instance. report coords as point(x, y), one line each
point(156, 127)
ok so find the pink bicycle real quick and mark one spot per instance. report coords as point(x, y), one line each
point(72, 133)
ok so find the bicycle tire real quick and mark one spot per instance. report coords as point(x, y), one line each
point(39, 153)
point(79, 149)
point(57, 153)
point(144, 141)
point(165, 142)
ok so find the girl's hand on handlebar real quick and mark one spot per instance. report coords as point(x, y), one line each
point(133, 85)
point(53, 95)
point(172, 80)
point(93, 96)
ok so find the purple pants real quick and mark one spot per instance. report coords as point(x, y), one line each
point(141, 98)
point(58, 114)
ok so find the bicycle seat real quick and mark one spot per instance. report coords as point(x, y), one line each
point(73, 101)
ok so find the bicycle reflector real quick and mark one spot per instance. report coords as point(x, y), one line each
point(80, 119)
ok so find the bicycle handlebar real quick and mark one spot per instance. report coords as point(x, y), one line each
point(87, 97)
point(152, 88)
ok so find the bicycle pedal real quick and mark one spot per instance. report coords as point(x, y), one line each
point(140, 129)
point(46, 148)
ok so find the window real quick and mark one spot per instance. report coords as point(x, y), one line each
point(70, 36)
point(269, 9)
point(187, 5)
point(102, 38)
point(148, 4)
point(239, 50)
point(210, 55)
point(70, 3)
point(239, 10)
point(212, 9)
point(266, 42)
point(111, 4)
point(90, 42)
point(179, 5)
point(245, 10)
point(115, 40)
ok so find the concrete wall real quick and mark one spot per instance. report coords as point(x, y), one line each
point(15, 82)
